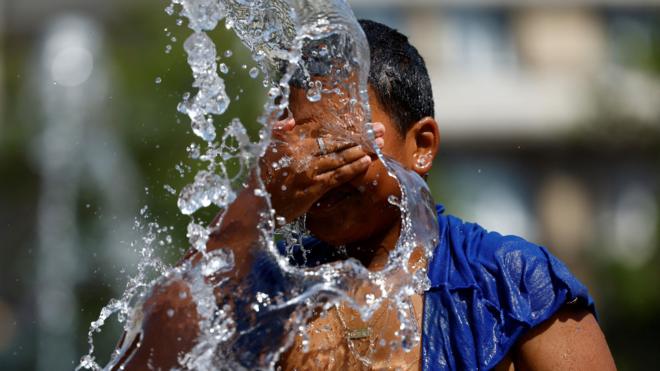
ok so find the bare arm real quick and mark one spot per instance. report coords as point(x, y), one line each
point(169, 318)
point(570, 340)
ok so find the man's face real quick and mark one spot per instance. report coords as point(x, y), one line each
point(359, 209)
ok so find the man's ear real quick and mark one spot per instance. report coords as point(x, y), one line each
point(422, 142)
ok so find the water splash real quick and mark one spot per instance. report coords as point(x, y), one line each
point(316, 45)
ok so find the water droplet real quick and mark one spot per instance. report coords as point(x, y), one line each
point(218, 261)
point(254, 72)
point(314, 91)
point(208, 188)
point(260, 27)
point(393, 200)
point(193, 151)
point(169, 189)
point(158, 80)
point(274, 92)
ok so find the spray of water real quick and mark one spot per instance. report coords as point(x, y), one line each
point(318, 46)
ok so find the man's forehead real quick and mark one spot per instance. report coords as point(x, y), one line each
point(302, 108)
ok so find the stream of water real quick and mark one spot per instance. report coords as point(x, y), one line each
point(318, 46)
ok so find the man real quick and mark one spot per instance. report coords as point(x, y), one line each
point(495, 302)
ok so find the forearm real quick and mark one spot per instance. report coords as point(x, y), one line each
point(294, 188)
point(237, 229)
point(168, 319)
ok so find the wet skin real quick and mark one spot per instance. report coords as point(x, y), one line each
point(344, 194)
point(355, 212)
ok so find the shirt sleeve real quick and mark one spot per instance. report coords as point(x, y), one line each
point(486, 291)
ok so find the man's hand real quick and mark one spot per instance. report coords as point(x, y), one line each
point(298, 170)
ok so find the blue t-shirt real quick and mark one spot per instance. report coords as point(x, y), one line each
point(486, 291)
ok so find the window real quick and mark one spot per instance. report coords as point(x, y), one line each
point(477, 40)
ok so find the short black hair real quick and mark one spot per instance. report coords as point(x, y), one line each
point(398, 75)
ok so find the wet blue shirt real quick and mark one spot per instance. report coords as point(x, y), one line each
point(486, 291)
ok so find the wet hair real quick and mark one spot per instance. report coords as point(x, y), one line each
point(398, 75)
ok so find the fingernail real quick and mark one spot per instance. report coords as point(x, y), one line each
point(380, 142)
point(366, 159)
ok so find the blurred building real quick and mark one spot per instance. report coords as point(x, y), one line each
point(2, 67)
point(517, 83)
point(506, 67)
point(549, 113)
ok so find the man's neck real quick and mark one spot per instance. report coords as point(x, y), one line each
point(373, 253)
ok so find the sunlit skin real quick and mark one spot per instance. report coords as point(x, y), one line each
point(362, 217)
point(344, 195)
point(358, 215)
point(355, 213)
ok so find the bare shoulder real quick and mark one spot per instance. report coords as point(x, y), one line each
point(569, 340)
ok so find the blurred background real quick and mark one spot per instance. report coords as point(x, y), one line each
point(550, 122)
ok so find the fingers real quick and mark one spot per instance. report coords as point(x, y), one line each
point(379, 129)
point(343, 174)
point(346, 152)
point(338, 168)
point(379, 133)
point(334, 143)
point(330, 145)
point(336, 160)
point(283, 125)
